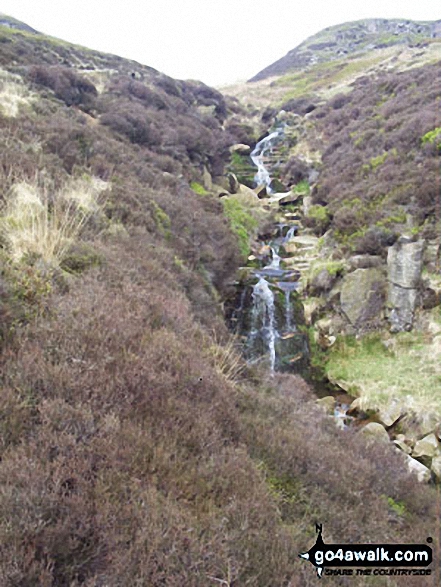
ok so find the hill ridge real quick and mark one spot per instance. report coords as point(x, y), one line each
point(346, 39)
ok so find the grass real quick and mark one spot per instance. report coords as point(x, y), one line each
point(242, 222)
point(38, 222)
point(14, 94)
point(198, 188)
point(408, 369)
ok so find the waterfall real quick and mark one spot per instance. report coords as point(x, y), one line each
point(263, 322)
point(275, 261)
point(262, 150)
point(288, 311)
point(290, 234)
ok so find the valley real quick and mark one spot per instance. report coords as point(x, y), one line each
point(220, 311)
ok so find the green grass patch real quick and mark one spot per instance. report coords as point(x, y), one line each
point(433, 137)
point(303, 188)
point(242, 223)
point(407, 369)
point(198, 188)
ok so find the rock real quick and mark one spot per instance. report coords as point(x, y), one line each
point(207, 180)
point(430, 298)
point(312, 306)
point(436, 466)
point(415, 427)
point(289, 198)
point(233, 183)
point(391, 413)
point(402, 446)
point(307, 203)
point(364, 261)
point(362, 296)
point(246, 191)
point(426, 447)
point(421, 471)
point(327, 403)
point(376, 431)
point(240, 148)
point(322, 282)
point(404, 263)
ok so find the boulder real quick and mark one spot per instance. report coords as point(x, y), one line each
point(233, 183)
point(426, 447)
point(240, 148)
point(404, 266)
point(207, 180)
point(375, 431)
point(391, 413)
point(288, 198)
point(246, 191)
point(436, 467)
point(322, 282)
point(364, 261)
point(421, 471)
point(362, 296)
point(402, 446)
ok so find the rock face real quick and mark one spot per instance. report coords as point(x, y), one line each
point(404, 266)
point(362, 297)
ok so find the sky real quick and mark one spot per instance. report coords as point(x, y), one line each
point(218, 42)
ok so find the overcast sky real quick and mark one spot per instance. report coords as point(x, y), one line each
point(216, 41)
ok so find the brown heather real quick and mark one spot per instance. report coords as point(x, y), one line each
point(135, 447)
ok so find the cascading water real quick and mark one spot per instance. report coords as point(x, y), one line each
point(268, 308)
point(260, 152)
point(263, 322)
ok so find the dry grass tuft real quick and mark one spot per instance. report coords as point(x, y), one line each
point(13, 94)
point(36, 221)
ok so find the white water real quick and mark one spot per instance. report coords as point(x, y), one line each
point(288, 311)
point(290, 234)
point(275, 261)
point(263, 320)
point(262, 150)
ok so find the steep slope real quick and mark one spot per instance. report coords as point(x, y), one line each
point(362, 37)
point(136, 447)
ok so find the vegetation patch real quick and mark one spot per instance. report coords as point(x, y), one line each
point(405, 368)
point(242, 222)
point(39, 222)
point(198, 188)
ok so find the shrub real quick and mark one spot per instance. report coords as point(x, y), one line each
point(318, 219)
point(67, 85)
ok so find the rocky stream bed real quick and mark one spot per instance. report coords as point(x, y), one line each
point(275, 316)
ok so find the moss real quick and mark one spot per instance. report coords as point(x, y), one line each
point(198, 188)
point(242, 223)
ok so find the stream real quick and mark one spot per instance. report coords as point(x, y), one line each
point(268, 312)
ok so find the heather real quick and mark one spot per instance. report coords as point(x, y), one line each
point(380, 171)
point(136, 445)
